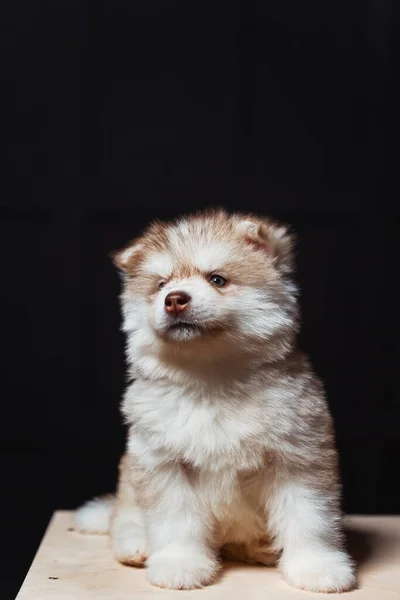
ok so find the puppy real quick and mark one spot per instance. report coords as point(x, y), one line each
point(231, 447)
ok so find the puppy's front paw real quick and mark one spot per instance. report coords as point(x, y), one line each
point(181, 568)
point(319, 571)
point(130, 545)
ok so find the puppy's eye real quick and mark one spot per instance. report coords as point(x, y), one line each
point(218, 280)
point(161, 284)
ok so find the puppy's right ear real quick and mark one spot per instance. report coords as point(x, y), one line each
point(275, 239)
point(126, 258)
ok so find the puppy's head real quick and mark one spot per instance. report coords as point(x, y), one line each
point(209, 283)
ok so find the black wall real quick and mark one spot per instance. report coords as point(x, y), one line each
point(118, 112)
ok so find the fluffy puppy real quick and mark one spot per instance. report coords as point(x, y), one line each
point(231, 447)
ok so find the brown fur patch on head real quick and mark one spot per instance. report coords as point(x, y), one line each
point(261, 234)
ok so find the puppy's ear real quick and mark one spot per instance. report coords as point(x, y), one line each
point(272, 238)
point(126, 258)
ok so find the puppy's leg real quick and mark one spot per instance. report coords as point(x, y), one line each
point(305, 519)
point(178, 527)
point(127, 525)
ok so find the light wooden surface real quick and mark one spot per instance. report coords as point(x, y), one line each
point(72, 566)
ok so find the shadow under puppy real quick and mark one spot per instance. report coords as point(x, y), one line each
point(230, 447)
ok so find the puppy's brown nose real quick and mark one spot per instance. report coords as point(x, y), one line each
point(177, 302)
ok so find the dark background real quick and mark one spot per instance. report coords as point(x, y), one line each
point(118, 112)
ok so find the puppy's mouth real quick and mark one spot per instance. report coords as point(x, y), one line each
point(183, 330)
point(179, 325)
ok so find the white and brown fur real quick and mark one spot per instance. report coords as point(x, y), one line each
point(231, 447)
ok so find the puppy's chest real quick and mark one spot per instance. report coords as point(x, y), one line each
point(210, 432)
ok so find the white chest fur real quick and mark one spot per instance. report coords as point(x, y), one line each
point(210, 431)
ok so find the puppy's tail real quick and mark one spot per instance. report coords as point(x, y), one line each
point(95, 516)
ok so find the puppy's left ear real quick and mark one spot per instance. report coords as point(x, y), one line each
point(273, 238)
point(126, 258)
